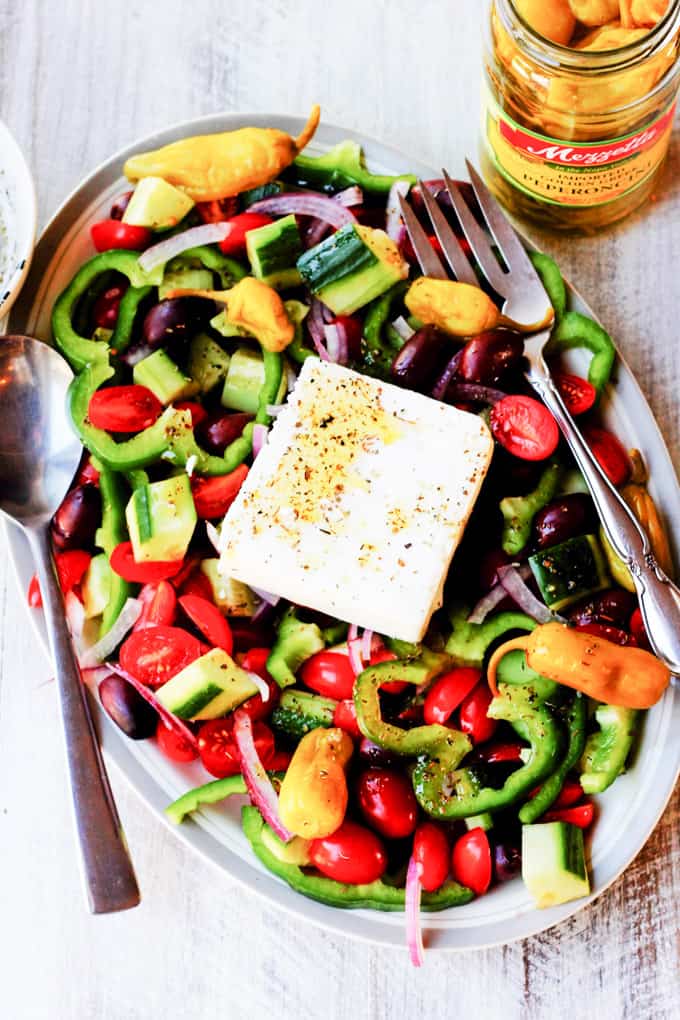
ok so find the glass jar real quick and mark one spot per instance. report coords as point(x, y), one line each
point(575, 139)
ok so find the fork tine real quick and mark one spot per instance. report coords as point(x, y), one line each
point(477, 240)
point(455, 255)
point(510, 246)
point(427, 260)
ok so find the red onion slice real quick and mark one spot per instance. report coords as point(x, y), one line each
point(394, 225)
point(75, 617)
point(127, 618)
point(317, 329)
point(274, 409)
point(442, 384)
point(414, 931)
point(305, 204)
point(493, 598)
point(266, 596)
point(207, 233)
point(262, 685)
point(336, 343)
point(473, 392)
point(402, 327)
point(258, 783)
point(350, 196)
point(170, 720)
point(367, 645)
point(260, 433)
point(523, 596)
point(214, 536)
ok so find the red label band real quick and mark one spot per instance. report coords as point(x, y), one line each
point(549, 151)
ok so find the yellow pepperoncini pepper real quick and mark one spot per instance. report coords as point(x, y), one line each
point(209, 167)
point(646, 12)
point(615, 674)
point(458, 308)
point(313, 795)
point(256, 307)
point(594, 12)
point(552, 19)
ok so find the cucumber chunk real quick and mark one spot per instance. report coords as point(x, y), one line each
point(207, 688)
point(553, 863)
point(569, 571)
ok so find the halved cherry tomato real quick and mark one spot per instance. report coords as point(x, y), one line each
point(279, 761)
point(391, 686)
point(156, 654)
point(578, 394)
point(71, 566)
point(473, 718)
point(190, 563)
point(108, 234)
point(124, 408)
point(431, 850)
point(218, 210)
point(173, 745)
point(471, 861)
point(255, 661)
point(524, 427)
point(205, 615)
point(159, 606)
point(235, 242)
point(638, 630)
point(387, 802)
point(345, 718)
point(447, 693)
point(214, 496)
point(330, 674)
point(196, 584)
point(571, 793)
point(125, 565)
point(581, 815)
point(496, 754)
point(353, 854)
point(218, 750)
point(105, 311)
point(198, 412)
point(249, 635)
point(609, 453)
point(609, 633)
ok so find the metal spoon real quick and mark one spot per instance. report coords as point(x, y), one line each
point(39, 454)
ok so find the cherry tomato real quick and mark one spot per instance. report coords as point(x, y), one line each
point(471, 861)
point(196, 584)
point(353, 854)
point(71, 566)
point(387, 802)
point(330, 674)
point(578, 394)
point(391, 686)
point(235, 242)
point(249, 635)
point(190, 563)
point(198, 412)
point(214, 496)
point(255, 661)
point(609, 454)
point(446, 693)
point(431, 850)
point(345, 718)
point(473, 718)
point(218, 750)
point(159, 606)
point(581, 815)
point(205, 615)
point(495, 754)
point(609, 633)
point(124, 408)
point(156, 654)
point(218, 210)
point(279, 761)
point(637, 629)
point(125, 565)
point(108, 234)
point(105, 311)
point(571, 793)
point(173, 745)
point(524, 427)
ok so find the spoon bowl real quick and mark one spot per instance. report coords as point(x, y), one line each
point(39, 455)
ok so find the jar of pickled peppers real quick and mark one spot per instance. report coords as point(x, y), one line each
point(579, 100)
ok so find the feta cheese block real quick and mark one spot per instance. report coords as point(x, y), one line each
point(357, 502)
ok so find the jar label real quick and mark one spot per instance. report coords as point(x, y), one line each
point(575, 173)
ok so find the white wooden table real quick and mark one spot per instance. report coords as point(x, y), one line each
point(78, 79)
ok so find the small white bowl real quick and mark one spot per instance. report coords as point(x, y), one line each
point(18, 219)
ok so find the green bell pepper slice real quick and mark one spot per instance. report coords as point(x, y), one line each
point(550, 789)
point(607, 749)
point(120, 339)
point(576, 330)
point(469, 642)
point(343, 166)
point(295, 643)
point(519, 511)
point(379, 349)
point(552, 280)
point(112, 531)
point(372, 896)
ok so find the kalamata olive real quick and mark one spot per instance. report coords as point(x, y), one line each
point(174, 319)
point(75, 522)
point(119, 206)
point(217, 431)
point(563, 518)
point(487, 358)
point(373, 754)
point(422, 359)
point(613, 607)
point(507, 861)
point(128, 709)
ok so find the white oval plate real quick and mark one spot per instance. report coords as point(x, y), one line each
point(628, 812)
point(18, 220)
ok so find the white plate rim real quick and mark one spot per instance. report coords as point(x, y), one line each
point(364, 925)
point(24, 238)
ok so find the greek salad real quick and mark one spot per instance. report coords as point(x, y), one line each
point(326, 540)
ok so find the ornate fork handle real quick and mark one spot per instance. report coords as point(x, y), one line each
point(659, 597)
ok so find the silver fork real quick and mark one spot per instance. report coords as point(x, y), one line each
point(526, 302)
